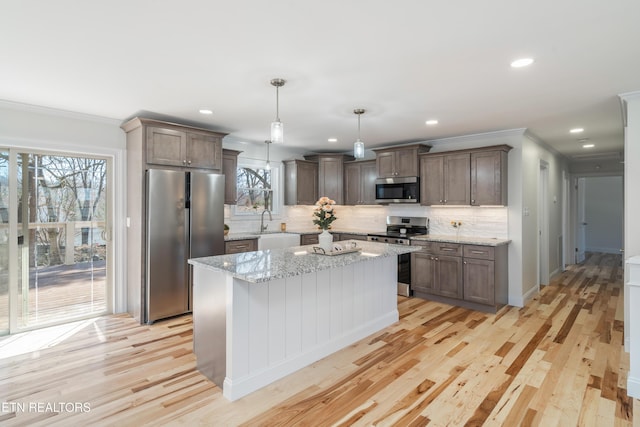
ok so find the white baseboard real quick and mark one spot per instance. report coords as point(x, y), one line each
point(633, 386)
point(604, 250)
point(528, 296)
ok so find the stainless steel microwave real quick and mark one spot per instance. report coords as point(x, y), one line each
point(398, 190)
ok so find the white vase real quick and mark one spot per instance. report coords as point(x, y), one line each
point(325, 240)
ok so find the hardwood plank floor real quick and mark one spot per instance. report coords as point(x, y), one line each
point(557, 361)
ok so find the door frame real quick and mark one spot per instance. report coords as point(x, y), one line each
point(543, 223)
point(115, 231)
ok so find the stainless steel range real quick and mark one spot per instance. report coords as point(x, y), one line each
point(399, 231)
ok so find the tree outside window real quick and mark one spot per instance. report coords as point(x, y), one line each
point(255, 189)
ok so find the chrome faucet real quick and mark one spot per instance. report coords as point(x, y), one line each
point(262, 226)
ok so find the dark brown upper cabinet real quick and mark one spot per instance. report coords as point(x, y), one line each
point(399, 161)
point(300, 182)
point(476, 177)
point(330, 175)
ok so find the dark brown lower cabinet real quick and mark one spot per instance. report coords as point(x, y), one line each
point(309, 239)
point(349, 236)
point(238, 246)
point(479, 281)
point(471, 276)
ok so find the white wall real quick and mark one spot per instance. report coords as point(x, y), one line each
point(603, 214)
point(631, 102)
point(38, 128)
point(535, 153)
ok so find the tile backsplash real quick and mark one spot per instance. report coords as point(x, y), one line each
point(476, 221)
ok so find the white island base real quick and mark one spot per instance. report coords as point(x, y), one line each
point(276, 327)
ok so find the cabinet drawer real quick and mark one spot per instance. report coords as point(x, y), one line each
point(427, 247)
point(238, 246)
point(308, 239)
point(346, 236)
point(479, 252)
point(451, 249)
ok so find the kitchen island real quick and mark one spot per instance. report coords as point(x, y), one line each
point(259, 316)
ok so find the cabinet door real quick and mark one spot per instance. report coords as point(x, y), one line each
point(406, 162)
point(230, 171)
point(330, 177)
point(368, 176)
point(166, 147)
point(352, 184)
point(204, 151)
point(489, 178)
point(386, 164)
point(449, 277)
point(431, 180)
point(457, 179)
point(479, 281)
point(423, 267)
point(307, 182)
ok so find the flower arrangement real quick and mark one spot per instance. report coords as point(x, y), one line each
point(324, 213)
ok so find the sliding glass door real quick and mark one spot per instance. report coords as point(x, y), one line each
point(57, 232)
point(4, 241)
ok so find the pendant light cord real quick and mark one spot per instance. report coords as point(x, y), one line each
point(277, 103)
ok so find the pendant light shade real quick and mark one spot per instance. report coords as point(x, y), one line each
point(277, 128)
point(358, 146)
point(268, 164)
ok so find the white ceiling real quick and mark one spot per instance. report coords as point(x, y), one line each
point(404, 62)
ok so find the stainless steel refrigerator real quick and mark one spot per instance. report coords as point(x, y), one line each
point(185, 219)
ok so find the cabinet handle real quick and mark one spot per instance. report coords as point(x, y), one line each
point(189, 162)
point(478, 252)
point(437, 259)
point(440, 200)
point(184, 162)
point(445, 200)
point(465, 262)
point(472, 201)
point(448, 250)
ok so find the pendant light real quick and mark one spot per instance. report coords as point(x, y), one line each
point(277, 128)
point(268, 165)
point(358, 146)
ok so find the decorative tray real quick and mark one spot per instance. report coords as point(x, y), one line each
point(319, 251)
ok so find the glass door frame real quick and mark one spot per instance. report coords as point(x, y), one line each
point(14, 248)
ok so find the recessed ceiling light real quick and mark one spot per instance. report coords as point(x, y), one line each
point(332, 139)
point(205, 111)
point(576, 130)
point(522, 62)
point(431, 122)
point(588, 146)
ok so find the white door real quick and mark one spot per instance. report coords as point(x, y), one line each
point(543, 224)
point(582, 221)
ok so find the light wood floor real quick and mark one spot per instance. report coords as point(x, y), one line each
point(557, 361)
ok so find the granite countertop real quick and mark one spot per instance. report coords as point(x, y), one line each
point(466, 240)
point(256, 235)
point(263, 266)
point(240, 236)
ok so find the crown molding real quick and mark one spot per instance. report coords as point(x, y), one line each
point(536, 139)
point(518, 132)
point(18, 106)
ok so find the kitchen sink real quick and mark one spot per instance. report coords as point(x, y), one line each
point(278, 241)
